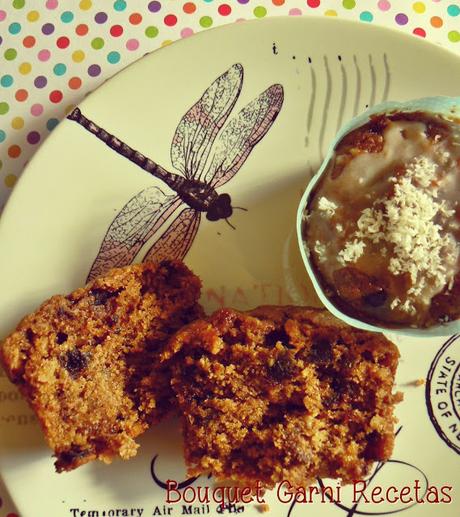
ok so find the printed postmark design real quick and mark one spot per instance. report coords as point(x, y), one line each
point(443, 393)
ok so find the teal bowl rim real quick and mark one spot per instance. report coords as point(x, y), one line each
point(447, 106)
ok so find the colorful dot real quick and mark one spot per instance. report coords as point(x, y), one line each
point(2, 15)
point(40, 81)
point(19, 4)
point(36, 110)
point(67, 17)
point(97, 43)
point(119, 5)
point(78, 56)
point(81, 29)
point(113, 57)
point(51, 123)
point(186, 32)
point(166, 42)
point(170, 20)
point(63, 42)
point(436, 22)
point(6, 80)
point(17, 123)
point(135, 19)
point(384, 5)
point(418, 31)
point(331, 12)
point(21, 95)
point(44, 55)
point(4, 108)
point(10, 54)
point(14, 151)
point(55, 96)
point(2, 136)
point(47, 28)
point(260, 11)
point(132, 44)
point(224, 9)
point(33, 137)
point(29, 41)
point(94, 70)
point(206, 21)
point(349, 4)
point(60, 69)
point(313, 3)
point(453, 10)
point(33, 16)
point(85, 5)
point(25, 68)
point(154, 6)
point(116, 30)
point(454, 36)
point(366, 16)
point(74, 83)
point(14, 28)
point(278, 2)
point(243, 1)
point(151, 32)
point(401, 19)
point(189, 8)
point(100, 17)
point(419, 7)
point(295, 12)
point(10, 180)
point(52, 4)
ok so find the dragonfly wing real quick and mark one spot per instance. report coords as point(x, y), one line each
point(198, 128)
point(137, 221)
point(177, 239)
point(243, 132)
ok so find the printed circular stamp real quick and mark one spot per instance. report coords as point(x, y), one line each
point(443, 393)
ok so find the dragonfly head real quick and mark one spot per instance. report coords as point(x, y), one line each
point(220, 208)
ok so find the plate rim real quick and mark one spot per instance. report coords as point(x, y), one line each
point(391, 32)
point(422, 43)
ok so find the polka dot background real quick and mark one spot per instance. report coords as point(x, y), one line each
point(54, 52)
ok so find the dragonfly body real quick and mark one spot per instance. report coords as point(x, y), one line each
point(196, 194)
point(206, 156)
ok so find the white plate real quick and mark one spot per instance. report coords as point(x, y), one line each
point(56, 219)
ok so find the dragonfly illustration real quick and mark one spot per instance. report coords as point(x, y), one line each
point(205, 154)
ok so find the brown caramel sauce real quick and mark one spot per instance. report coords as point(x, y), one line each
point(364, 173)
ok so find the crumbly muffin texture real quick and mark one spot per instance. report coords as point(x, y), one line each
point(88, 362)
point(283, 393)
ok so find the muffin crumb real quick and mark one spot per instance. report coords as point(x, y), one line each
point(88, 362)
point(283, 393)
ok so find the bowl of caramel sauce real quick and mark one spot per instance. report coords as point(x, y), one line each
point(379, 224)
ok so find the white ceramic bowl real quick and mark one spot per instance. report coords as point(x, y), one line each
point(449, 106)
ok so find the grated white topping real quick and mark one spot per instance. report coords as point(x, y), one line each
point(327, 206)
point(395, 303)
point(306, 217)
point(408, 306)
point(320, 250)
point(422, 170)
point(406, 220)
point(352, 251)
point(339, 227)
